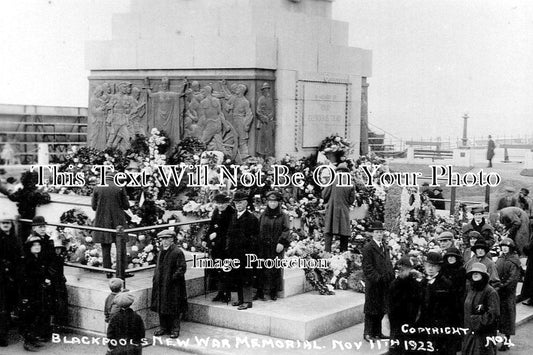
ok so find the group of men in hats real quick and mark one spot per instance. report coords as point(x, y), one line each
point(32, 283)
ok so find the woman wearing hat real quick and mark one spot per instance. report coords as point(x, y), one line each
point(36, 302)
point(438, 199)
point(125, 326)
point(508, 266)
point(10, 262)
point(481, 309)
point(59, 287)
point(453, 269)
point(274, 231)
point(481, 255)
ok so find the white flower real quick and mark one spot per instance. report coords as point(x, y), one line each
point(88, 239)
point(134, 248)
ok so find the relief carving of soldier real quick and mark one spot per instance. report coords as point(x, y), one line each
point(211, 117)
point(138, 121)
point(192, 117)
point(120, 105)
point(97, 134)
point(241, 119)
point(265, 122)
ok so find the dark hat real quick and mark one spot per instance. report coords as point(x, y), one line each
point(342, 167)
point(221, 198)
point(480, 244)
point(404, 261)
point(508, 241)
point(446, 235)
point(524, 191)
point(240, 196)
point(477, 267)
point(124, 299)
point(452, 252)
point(38, 221)
point(274, 196)
point(438, 188)
point(434, 258)
point(474, 234)
point(376, 226)
point(478, 210)
point(34, 239)
point(167, 233)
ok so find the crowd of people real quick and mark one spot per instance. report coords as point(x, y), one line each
point(462, 294)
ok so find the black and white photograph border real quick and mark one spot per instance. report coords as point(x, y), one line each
point(424, 106)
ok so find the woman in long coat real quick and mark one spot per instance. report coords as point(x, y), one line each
point(338, 200)
point(482, 309)
point(273, 239)
point(508, 266)
point(109, 202)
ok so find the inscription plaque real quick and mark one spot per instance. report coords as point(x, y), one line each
point(324, 112)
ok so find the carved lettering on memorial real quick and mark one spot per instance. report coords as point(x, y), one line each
point(266, 124)
point(120, 106)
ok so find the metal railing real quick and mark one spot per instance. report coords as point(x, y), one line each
point(122, 236)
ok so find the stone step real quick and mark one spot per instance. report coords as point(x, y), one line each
point(301, 317)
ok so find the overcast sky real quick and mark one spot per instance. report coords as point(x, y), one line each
point(432, 60)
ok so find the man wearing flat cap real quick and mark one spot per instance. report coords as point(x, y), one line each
point(378, 273)
point(168, 292)
point(438, 303)
point(445, 240)
point(216, 241)
point(241, 239)
point(480, 225)
point(516, 223)
point(126, 325)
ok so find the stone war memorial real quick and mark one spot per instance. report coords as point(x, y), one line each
point(248, 80)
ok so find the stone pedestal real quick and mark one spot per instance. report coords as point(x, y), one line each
point(295, 47)
point(463, 157)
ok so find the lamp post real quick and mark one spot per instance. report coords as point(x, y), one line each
point(465, 123)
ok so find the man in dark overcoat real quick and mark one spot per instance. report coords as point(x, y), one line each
point(437, 305)
point(216, 241)
point(10, 277)
point(338, 200)
point(168, 291)
point(490, 151)
point(109, 202)
point(241, 240)
point(378, 273)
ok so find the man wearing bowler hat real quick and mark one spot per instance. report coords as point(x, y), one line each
point(169, 295)
point(378, 273)
point(216, 241)
point(241, 240)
